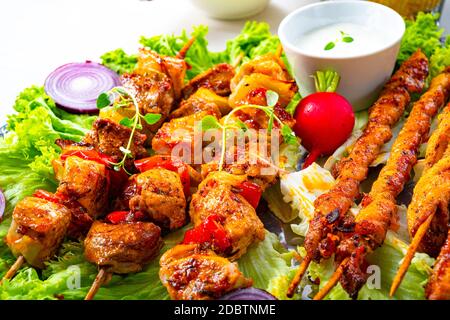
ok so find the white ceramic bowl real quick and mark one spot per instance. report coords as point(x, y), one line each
point(231, 9)
point(362, 75)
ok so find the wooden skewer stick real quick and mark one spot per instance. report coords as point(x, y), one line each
point(14, 268)
point(182, 53)
point(410, 254)
point(99, 280)
point(332, 282)
point(299, 275)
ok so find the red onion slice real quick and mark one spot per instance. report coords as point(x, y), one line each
point(2, 204)
point(75, 87)
point(248, 294)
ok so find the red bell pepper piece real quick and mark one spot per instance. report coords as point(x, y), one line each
point(52, 197)
point(89, 155)
point(251, 192)
point(117, 217)
point(209, 232)
point(170, 163)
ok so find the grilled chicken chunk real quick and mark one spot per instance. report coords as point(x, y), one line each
point(190, 273)
point(179, 136)
point(159, 194)
point(85, 181)
point(438, 287)
point(122, 248)
point(217, 79)
point(268, 64)
point(175, 68)
point(219, 194)
point(202, 100)
point(107, 136)
point(37, 229)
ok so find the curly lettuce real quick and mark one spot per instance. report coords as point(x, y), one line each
point(423, 33)
point(119, 61)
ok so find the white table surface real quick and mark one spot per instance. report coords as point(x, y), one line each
point(36, 36)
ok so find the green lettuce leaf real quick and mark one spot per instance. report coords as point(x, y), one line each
point(268, 263)
point(422, 33)
point(119, 61)
point(440, 59)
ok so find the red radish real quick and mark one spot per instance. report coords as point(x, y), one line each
point(324, 121)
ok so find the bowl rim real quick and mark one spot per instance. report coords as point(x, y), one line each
point(286, 43)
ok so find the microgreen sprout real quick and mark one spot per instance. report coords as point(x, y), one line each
point(344, 38)
point(120, 97)
point(211, 122)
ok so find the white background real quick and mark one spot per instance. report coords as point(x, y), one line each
point(36, 36)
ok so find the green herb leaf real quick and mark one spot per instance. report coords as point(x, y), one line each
point(347, 39)
point(127, 122)
point(210, 122)
point(271, 98)
point(242, 125)
point(103, 101)
point(152, 118)
point(288, 135)
point(329, 46)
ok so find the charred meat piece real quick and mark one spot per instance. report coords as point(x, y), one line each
point(87, 182)
point(180, 137)
point(257, 166)
point(37, 229)
point(153, 93)
point(268, 64)
point(108, 136)
point(440, 139)
point(438, 287)
point(190, 273)
point(217, 79)
point(220, 194)
point(431, 197)
point(175, 68)
point(122, 248)
point(159, 194)
point(197, 103)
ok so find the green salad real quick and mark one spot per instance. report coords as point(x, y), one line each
point(28, 149)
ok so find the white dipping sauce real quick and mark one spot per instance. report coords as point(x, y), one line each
point(341, 40)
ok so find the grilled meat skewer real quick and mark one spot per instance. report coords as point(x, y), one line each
point(332, 206)
point(122, 248)
point(428, 214)
point(379, 206)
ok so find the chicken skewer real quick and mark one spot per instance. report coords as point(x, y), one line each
point(122, 248)
point(430, 195)
point(223, 211)
point(88, 161)
point(41, 222)
point(127, 243)
point(352, 170)
point(379, 206)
